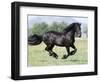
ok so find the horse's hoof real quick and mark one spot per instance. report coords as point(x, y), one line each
point(55, 56)
point(72, 53)
point(64, 57)
point(50, 54)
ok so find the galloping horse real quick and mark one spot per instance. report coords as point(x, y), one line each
point(66, 38)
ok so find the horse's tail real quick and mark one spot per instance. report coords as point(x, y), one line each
point(34, 39)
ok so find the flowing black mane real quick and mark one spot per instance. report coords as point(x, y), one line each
point(71, 26)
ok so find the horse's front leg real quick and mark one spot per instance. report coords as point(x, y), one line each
point(68, 51)
point(74, 51)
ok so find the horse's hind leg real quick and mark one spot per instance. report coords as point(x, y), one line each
point(49, 49)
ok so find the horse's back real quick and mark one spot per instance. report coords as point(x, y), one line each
point(50, 36)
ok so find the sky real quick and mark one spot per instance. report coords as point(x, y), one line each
point(50, 19)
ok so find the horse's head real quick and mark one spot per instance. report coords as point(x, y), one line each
point(77, 27)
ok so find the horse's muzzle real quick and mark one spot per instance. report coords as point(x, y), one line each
point(79, 35)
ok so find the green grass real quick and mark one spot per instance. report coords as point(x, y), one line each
point(37, 56)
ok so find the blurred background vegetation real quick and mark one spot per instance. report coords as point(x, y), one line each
point(40, 28)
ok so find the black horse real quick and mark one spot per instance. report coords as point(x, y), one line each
point(66, 38)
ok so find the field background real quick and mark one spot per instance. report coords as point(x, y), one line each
point(37, 56)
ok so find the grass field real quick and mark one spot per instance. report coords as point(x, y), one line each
point(37, 56)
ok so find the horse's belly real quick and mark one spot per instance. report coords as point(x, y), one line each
point(60, 45)
point(60, 42)
point(67, 45)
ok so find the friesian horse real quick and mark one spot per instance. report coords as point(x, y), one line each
point(66, 39)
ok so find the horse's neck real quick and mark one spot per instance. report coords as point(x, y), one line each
point(71, 34)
